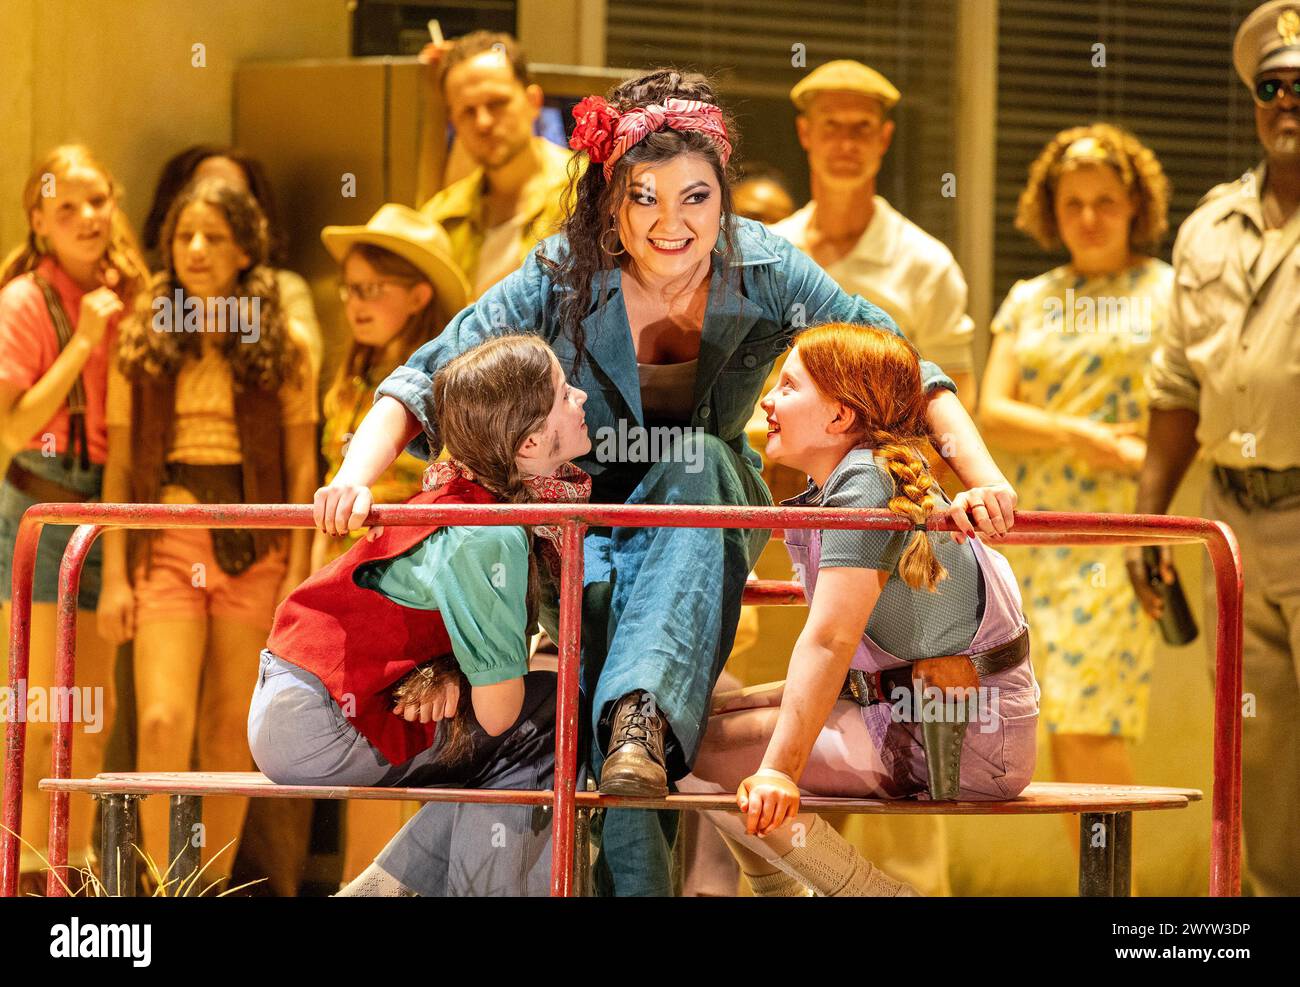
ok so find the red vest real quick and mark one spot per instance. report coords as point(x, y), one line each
point(358, 642)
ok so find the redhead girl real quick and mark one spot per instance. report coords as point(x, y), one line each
point(212, 401)
point(61, 295)
point(897, 620)
point(404, 662)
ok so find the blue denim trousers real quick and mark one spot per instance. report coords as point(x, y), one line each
point(661, 607)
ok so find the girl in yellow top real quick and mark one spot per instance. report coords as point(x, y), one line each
point(211, 400)
point(399, 287)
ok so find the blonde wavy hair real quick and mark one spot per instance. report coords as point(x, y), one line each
point(1136, 165)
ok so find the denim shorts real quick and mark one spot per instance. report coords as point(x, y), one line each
point(54, 537)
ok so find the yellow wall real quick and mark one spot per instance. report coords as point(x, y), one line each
point(117, 76)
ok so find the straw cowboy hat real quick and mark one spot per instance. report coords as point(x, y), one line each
point(413, 237)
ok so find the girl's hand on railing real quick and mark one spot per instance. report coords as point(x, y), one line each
point(991, 507)
point(342, 508)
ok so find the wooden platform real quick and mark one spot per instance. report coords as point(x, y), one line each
point(1105, 814)
point(1042, 797)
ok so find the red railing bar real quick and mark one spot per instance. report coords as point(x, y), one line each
point(65, 656)
point(20, 639)
point(1044, 527)
point(1124, 528)
point(566, 710)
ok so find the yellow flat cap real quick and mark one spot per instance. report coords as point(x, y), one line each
point(1269, 38)
point(844, 76)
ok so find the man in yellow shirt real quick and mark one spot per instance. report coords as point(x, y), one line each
point(516, 195)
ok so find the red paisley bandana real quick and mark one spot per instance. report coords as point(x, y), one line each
point(567, 485)
point(606, 134)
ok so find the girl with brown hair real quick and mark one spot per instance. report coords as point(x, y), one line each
point(898, 621)
point(399, 286)
point(404, 662)
point(213, 401)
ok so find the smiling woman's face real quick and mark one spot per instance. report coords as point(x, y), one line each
point(670, 219)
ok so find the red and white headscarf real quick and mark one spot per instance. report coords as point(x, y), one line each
point(606, 134)
point(567, 485)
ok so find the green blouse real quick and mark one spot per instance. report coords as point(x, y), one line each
point(477, 578)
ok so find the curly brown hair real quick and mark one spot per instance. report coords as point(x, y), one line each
point(1135, 163)
point(273, 359)
point(595, 203)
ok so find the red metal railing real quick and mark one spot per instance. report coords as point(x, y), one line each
point(1032, 528)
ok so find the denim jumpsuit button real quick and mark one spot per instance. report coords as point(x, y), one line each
point(750, 360)
point(704, 412)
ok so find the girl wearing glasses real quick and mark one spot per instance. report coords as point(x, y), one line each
point(399, 288)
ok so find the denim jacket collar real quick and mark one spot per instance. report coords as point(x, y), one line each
point(729, 317)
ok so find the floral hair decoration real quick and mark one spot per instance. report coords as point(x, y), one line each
point(606, 134)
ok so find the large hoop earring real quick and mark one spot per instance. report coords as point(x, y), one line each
point(605, 248)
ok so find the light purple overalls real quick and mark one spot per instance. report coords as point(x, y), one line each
point(999, 751)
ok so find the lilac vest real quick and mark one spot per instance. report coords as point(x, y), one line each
point(998, 753)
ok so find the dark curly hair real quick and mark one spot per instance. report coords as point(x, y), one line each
point(269, 362)
point(179, 170)
point(595, 202)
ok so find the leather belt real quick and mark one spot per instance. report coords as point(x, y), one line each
point(1258, 486)
point(41, 490)
point(866, 688)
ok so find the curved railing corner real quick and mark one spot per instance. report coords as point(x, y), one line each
point(1032, 527)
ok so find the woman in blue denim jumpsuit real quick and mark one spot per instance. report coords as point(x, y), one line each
point(661, 604)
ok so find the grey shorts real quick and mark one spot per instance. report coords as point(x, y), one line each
point(299, 736)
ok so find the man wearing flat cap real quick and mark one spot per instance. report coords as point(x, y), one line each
point(860, 239)
point(1225, 381)
point(872, 250)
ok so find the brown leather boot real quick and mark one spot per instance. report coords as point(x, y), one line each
point(634, 761)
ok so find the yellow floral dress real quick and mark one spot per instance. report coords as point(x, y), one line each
point(345, 405)
point(1083, 345)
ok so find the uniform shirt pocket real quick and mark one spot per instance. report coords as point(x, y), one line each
point(1207, 300)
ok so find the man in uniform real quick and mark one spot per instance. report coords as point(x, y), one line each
point(866, 245)
point(1225, 380)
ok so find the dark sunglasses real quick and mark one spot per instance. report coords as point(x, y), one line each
point(1266, 90)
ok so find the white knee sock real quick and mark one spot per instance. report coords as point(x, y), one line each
point(375, 882)
point(778, 885)
point(830, 865)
